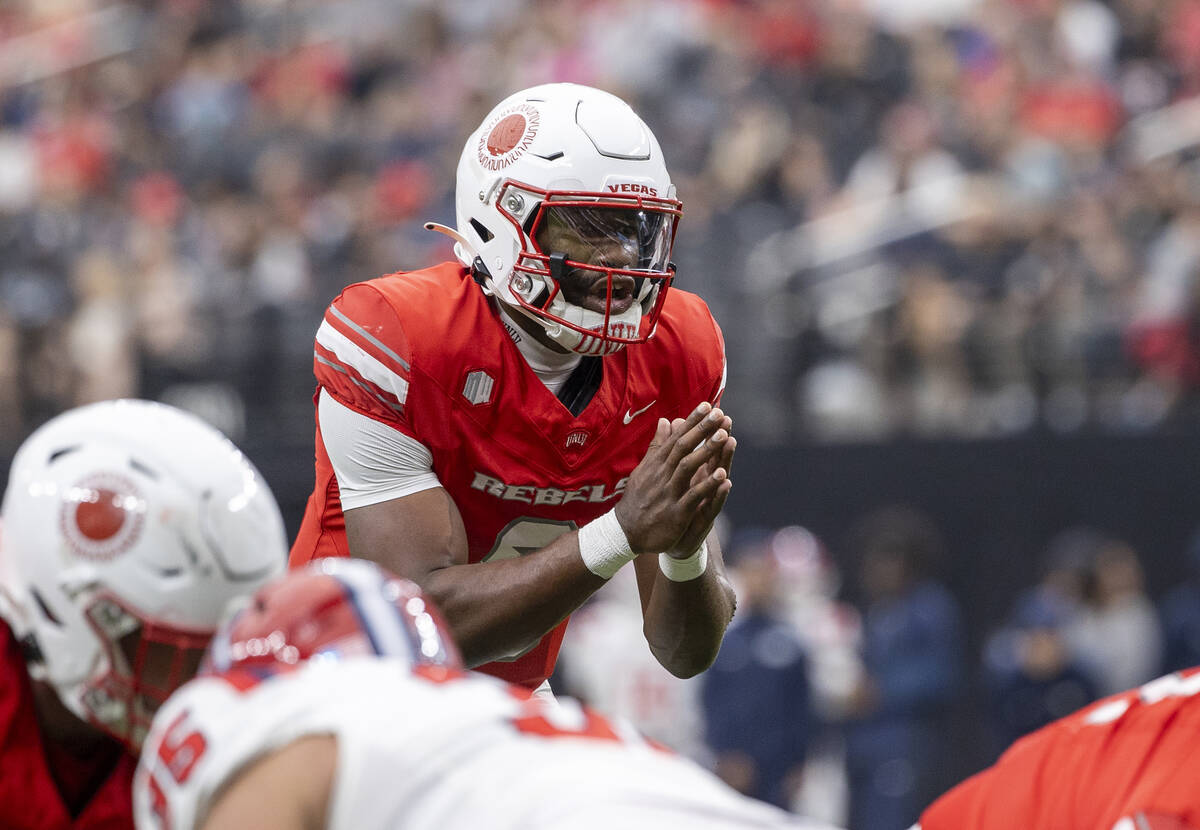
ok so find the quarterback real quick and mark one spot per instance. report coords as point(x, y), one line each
point(336, 700)
point(1123, 763)
point(531, 417)
point(127, 526)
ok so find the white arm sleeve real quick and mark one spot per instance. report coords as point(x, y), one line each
point(372, 461)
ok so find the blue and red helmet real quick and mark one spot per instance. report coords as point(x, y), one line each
point(334, 609)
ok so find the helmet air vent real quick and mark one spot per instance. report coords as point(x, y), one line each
point(44, 608)
point(483, 232)
point(59, 453)
point(144, 469)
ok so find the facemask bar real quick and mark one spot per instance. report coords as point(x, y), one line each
point(651, 234)
point(122, 701)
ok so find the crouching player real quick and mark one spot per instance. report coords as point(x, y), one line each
point(336, 699)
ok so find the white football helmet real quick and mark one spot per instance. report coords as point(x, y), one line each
point(567, 162)
point(126, 528)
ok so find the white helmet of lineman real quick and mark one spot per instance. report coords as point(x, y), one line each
point(567, 162)
point(126, 528)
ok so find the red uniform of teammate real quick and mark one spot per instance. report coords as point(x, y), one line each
point(486, 409)
point(30, 798)
point(1123, 763)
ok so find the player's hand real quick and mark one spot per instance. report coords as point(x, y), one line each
point(710, 508)
point(675, 477)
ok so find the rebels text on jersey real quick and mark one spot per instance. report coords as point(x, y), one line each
point(427, 353)
point(1123, 762)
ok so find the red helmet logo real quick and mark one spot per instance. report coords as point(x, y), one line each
point(506, 138)
point(505, 135)
point(102, 516)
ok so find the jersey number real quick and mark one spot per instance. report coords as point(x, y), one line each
point(522, 536)
point(519, 537)
point(181, 752)
point(564, 719)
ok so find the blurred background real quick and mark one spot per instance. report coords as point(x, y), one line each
point(954, 246)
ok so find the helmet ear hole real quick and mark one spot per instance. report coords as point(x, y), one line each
point(482, 230)
point(30, 649)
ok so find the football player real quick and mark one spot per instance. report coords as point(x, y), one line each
point(126, 527)
point(1122, 763)
point(335, 700)
point(541, 411)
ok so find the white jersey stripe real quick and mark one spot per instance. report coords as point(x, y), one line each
point(370, 338)
point(724, 373)
point(358, 359)
point(366, 387)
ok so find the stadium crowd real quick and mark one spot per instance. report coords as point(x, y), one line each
point(966, 218)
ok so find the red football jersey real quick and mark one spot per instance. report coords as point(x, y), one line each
point(427, 353)
point(1128, 756)
point(29, 798)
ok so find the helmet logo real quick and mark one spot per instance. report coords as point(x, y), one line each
point(506, 137)
point(102, 516)
point(632, 187)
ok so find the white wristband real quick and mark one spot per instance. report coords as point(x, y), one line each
point(603, 545)
point(684, 570)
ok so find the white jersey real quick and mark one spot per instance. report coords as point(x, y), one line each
point(601, 664)
point(417, 753)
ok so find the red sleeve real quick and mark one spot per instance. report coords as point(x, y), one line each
point(362, 356)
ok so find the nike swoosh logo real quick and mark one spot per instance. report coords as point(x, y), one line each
point(630, 414)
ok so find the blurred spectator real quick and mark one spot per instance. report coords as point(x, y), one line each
point(757, 697)
point(1117, 633)
point(831, 631)
point(896, 738)
point(598, 666)
point(1180, 614)
point(1029, 671)
point(1066, 570)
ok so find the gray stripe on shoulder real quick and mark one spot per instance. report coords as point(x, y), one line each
point(395, 406)
point(374, 341)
